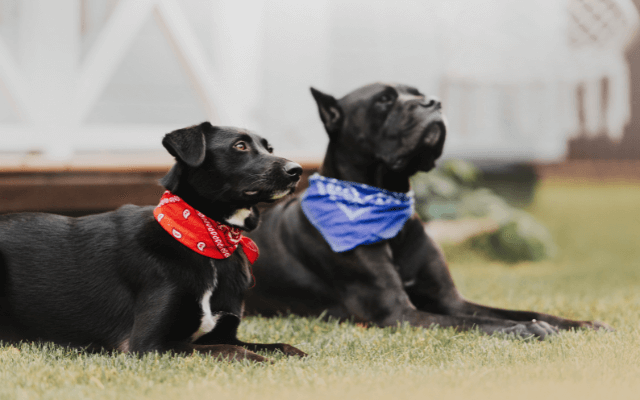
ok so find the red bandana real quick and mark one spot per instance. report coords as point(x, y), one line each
point(199, 232)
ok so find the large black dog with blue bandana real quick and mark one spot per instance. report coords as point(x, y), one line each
point(349, 245)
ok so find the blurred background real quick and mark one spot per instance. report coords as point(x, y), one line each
point(532, 90)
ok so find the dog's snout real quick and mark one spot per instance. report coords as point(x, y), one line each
point(431, 102)
point(294, 170)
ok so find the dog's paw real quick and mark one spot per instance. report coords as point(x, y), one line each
point(230, 353)
point(289, 350)
point(251, 356)
point(596, 326)
point(534, 328)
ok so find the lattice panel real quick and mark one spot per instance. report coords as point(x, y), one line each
point(597, 22)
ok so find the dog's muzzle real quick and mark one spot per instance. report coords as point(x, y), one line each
point(293, 171)
point(425, 147)
point(433, 133)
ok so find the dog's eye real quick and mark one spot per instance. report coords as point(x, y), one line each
point(241, 146)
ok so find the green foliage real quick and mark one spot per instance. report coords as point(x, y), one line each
point(462, 171)
point(521, 238)
point(453, 192)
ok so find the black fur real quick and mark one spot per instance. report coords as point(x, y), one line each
point(119, 281)
point(379, 135)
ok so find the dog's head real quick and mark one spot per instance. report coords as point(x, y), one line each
point(224, 172)
point(393, 124)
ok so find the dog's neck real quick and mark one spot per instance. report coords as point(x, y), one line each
point(226, 213)
point(352, 167)
point(245, 217)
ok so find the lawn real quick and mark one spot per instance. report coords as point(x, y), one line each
point(596, 275)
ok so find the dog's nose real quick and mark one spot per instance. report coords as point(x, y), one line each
point(432, 102)
point(294, 170)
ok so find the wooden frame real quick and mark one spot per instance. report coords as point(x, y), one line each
point(60, 96)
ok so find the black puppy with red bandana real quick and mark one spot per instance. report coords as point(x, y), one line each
point(124, 280)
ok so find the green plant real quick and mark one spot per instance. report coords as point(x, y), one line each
point(455, 191)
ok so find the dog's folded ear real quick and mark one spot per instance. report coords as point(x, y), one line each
point(330, 112)
point(188, 144)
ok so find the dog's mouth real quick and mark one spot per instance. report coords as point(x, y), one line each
point(280, 194)
point(423, 147)
point(268, 196)
point(432, 133)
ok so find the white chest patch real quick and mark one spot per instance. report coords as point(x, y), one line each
point(239, 216)
point(208, 320)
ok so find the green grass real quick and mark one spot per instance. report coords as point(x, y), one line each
point(595, 276)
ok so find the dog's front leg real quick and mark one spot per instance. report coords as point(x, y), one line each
point(371, 290)
point(226, 331)
point(156, 311)
point(284, 348)
point(430, 287)
point(222, 351)
point(471, 308)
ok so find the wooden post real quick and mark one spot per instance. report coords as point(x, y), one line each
point(49, 50)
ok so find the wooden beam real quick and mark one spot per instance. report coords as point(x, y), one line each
point(192, 56)
point(83, 192)
point(77, 192)
point(14, 83)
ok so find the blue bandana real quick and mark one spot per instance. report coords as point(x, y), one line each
point(351, 214)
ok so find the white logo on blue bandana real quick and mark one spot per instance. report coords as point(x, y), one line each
point(350, 214)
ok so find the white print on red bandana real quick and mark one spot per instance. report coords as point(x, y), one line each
point(172, 199)
point(234, 234)
point(203, 235)
point(214, 235)
point(251, 246)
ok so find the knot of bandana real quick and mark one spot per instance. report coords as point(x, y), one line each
point(350, 214)
point(199, 232)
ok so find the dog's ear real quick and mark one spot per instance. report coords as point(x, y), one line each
point(172, 179)
point(330, 112)
point(188, 144)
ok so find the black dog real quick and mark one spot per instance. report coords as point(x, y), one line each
point(120, 281)
point(380, 135)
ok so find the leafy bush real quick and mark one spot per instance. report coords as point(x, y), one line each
point(454, 191)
